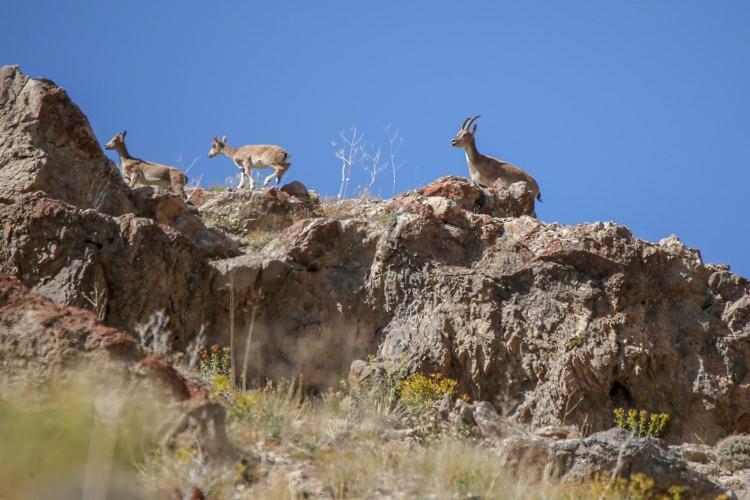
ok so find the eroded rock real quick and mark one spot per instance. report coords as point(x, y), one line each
point(47, 144)
point(271, 209)
point(127, 269)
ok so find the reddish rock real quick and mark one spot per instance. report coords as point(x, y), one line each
point(451, 199)
point(47, 144)
point(41, 341)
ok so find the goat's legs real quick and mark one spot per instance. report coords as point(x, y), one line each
point(177, 181)
point(135, 178)
point(247, 168)
point(278, 171)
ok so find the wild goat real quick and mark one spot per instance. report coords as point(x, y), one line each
point(249, 157)
point(486, 169)
point(137, 171)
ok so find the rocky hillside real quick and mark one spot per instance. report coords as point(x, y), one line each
point(548, 326)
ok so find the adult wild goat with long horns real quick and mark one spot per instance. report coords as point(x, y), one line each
point(486, 169)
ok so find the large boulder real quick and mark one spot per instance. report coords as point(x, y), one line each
point(46, 144)
point(553, 325)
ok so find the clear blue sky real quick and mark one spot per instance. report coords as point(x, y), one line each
point(635, 111)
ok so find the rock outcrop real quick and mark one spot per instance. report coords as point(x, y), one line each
point(169, 209)
point(272, 209)
point(557, 324)
point(127, 269)
point(448, 198)
point(41, 342)
point(552, 326)
point(46, 144)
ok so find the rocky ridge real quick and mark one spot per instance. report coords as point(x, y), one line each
point(549, 325)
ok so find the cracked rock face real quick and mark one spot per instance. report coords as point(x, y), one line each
point(127, 269)
point(560, 325)
point(46, 144)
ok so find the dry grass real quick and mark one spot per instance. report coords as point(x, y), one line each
point(257, 239)
point(71, 438)
point(361, 441)
point(357, 442)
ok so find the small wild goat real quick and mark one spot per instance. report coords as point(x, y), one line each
point(249, 157)
point(486, 169)
point(137, 171)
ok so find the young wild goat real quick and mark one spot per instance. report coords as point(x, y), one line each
point(486, 169)
point(137, 171)
point(249, 157)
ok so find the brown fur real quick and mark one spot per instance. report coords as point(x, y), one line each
point(486, 169)
point(253, 156)
point(137, 171)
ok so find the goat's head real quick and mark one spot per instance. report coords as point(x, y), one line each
point(465, 134)
point(116, 141)
point(217, 146)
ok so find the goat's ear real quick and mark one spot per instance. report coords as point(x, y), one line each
point(224, 139)
point(474, 130)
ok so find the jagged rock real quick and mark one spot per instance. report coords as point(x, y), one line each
point(448, 198)
point(213, 242)
point(560, 325)
point(298, 190)
point(46, 144)
point(159, 204)
point(42, 342)
point(582, 460)
point(485, 418)
point(553, 325)
point(170, 209)
point(557, 432)
point(304, 298)
point(127, 269)
point(260, 209)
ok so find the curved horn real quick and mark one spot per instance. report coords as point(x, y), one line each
point(471, 121)
point(463, 125)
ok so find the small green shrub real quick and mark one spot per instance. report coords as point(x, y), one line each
point(734, 453)
point(419, 392)
point(578, 340)
point(642, 423)
point(232, 224)
point(258, 239)
point(387, 219)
